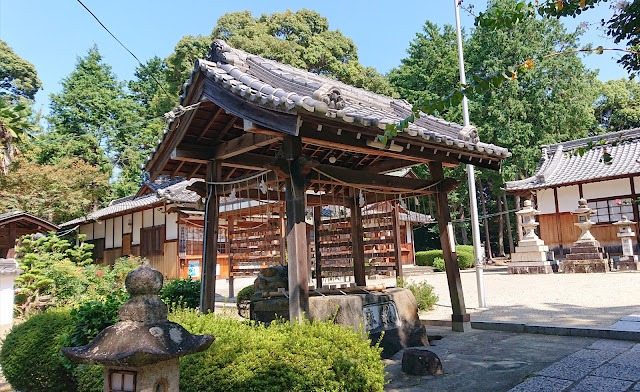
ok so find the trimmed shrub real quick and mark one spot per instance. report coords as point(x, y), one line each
point(181, 293)
point(31, 359)
point(282, 357)
point(465, 258)
point(243, 300)
point(438, 264)
point(423, 293)
point(89, 318)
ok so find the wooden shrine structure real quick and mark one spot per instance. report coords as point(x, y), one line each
point(313, 139)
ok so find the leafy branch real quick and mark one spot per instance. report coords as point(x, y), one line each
point(479, 86)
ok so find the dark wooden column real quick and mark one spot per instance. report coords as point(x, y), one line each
point(230, 230)
point(636, 213)
point(296, 231)
point(460, 319)
point(397, 239)
point(283, 236)
point(317, 222)
point(357, 240)
point(210, 243)
point(11, 253)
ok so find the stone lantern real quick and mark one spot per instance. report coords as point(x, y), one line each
point(585, 255)
point(8, 272)
point(628, 260)
point(140, 352)
point(531, 254)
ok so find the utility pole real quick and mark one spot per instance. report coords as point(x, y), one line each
point(475, 224)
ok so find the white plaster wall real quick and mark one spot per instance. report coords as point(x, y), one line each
point(127, 224)
point(159, 215)
point(6, 299)
point(147, 218)
point(137, 225)
point(117, 232)
point(88, 230)
point(409, 233)
point(636, 184)
point(568, 197)
point(172, 226)
point(99, 230)
point(610, 188)
point(546, 201)
point(108, 239)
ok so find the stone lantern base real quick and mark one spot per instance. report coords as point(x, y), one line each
point(530, 257)
point(628, 263)
point(585, 257)
point(162, 376)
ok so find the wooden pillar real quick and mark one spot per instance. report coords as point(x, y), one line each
point(558, 222)
point(460, 319)
point(230, 231)
point(397, 239)
point(357, 240)
point(11, 253)
point(296, 231)
point(636, 213)
point(210, 243)
point(317, 222)
point(283, 237)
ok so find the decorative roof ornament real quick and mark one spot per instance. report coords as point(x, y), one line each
point(469, 133)
point(330, 95)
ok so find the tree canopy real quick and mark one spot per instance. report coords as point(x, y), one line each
point(618, 105)
point(18, 77)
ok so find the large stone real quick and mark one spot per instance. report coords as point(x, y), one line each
point(272, 279)
point(585, 266)
point(421, 362)
point(392, 315)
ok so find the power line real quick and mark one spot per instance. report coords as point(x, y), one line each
point(127, 49)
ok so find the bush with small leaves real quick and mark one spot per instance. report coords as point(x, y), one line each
point(438, 264)
point(181, 293)
point(422, 292)
point(31, 359)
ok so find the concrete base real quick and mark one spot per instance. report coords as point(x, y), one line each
point(628, 265)
point(392, 315)
point(517, 269)
point(585, 266)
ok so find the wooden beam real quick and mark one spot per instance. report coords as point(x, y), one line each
point(357, 241)
point(296, 232)
point(381, 181)
point(460, 319)
point(226, 129)
point(242, 144)
point(211, 121)
point(210, 243)
point(389, 166)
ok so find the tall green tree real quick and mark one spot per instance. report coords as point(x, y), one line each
point(302, 39)
point(96, 119)
point(18, 77)
point(550, 103)
point(618, 105)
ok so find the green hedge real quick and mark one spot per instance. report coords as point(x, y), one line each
point(465, 257)
point(31, 359)
point(244, 357)
point(181, 292)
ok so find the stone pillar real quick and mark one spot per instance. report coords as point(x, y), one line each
point(628, 260)
point(140, 352)
point(585, 255)
point(8, 272)
point(530, 256)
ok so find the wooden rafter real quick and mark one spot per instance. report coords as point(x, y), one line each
point(209, 123)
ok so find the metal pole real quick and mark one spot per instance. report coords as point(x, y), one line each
point(475, 224)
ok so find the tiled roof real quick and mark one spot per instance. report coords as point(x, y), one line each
point(169, 192)
point(273, 85)
point(558, 166)
point(16, 215)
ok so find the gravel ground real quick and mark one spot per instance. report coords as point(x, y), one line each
point(589, 300)
point(593, 300)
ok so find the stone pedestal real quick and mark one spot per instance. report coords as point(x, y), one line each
point(585, 255)
point(531, 254)
point(628, 260)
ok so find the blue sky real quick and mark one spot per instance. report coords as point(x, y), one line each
point(51, 34)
